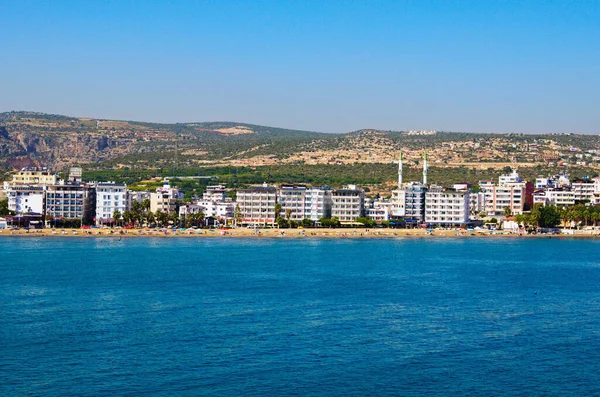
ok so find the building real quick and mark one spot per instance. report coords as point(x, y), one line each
point(35, 176)
point(414, 203)
point(379, 211)
point(348, 203)
point(559, 197)
point(583, 190)
point(317, 203)
point(292, 199)
point(26, 199)
point(165, 199)
point(398, 201)
point(497, 198)
point(446, 206)
point(71, 202)
point(110, 197)
point(509, 179)
point(138, 196)
point(215, 193)
point(257, 204)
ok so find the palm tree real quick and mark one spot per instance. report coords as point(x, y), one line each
point(277, 209)
point(116, 216)
point(237, 215)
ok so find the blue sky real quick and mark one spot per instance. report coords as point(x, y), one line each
point(330, 66)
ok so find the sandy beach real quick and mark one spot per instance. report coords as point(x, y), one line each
point(283, 233)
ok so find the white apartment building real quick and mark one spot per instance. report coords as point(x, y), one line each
point(26, 199)
point(215, 193)
point(398, 201)
point(138, 196)
point(292, 198)
point(446, 206)
point(476, 203)
point(380, 210)
point(317, 203)
point(165, 199)
point(509, 179)
point(348, 203)
point(110, 197)
point(583, 190)
point(222, 210)
point(414, 202)
point(558, 197)
point(257, 204)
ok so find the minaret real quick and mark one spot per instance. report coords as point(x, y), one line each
point(400, 171)
point(425, 167)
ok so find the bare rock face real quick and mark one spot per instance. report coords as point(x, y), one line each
point(3, 133)
point(22, 161)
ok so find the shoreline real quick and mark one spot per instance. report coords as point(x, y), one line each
point(339, 233)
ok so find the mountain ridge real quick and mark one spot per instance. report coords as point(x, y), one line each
point(59, 141)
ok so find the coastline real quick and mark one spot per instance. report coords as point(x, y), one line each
point(338, 233)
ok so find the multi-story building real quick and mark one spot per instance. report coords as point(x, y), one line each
point(497, 198)
point(583, 190)
point(348, 203)
point(257, 204)
point(138, 196)
point(398, 201)
point(71, 202)
point(379, 210)
point(317, 203)
point(559, 197)
point(26, 199)
point(110, 197)
point(414, 202)
point(165, 199)
point(476, 203)
point(215, 193)
point(508, 179)
point(35, 176)
point(446, 206)
point(292, 199)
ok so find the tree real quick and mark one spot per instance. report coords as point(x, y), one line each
point(116, 216)
point(128, 217)
point(277, 209)
point(237, 214)
point(150, 217)
point(330, 222)
point(288, 213)
point(367, 222)
point(549, 216)
point(507, 211)
point(307, 222)
point(162, 218)
point(146, 205)
point(282, 222)
point(4, 208)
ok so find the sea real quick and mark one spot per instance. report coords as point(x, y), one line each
point(299, 317)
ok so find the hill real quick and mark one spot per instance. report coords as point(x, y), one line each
point(29, 138)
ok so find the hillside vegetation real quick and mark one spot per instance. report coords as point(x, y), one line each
point(240, 153)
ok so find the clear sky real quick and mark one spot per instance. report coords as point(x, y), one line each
point(330, 66)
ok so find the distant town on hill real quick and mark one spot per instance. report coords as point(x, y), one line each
point(241, 154)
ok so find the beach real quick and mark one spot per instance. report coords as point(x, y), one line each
point(286, 233)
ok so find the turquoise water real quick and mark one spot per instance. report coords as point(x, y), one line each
point(299, 317)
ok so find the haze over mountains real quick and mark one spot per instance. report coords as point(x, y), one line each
point(29, 138)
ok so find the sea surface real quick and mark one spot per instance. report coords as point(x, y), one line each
point(274, 317)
